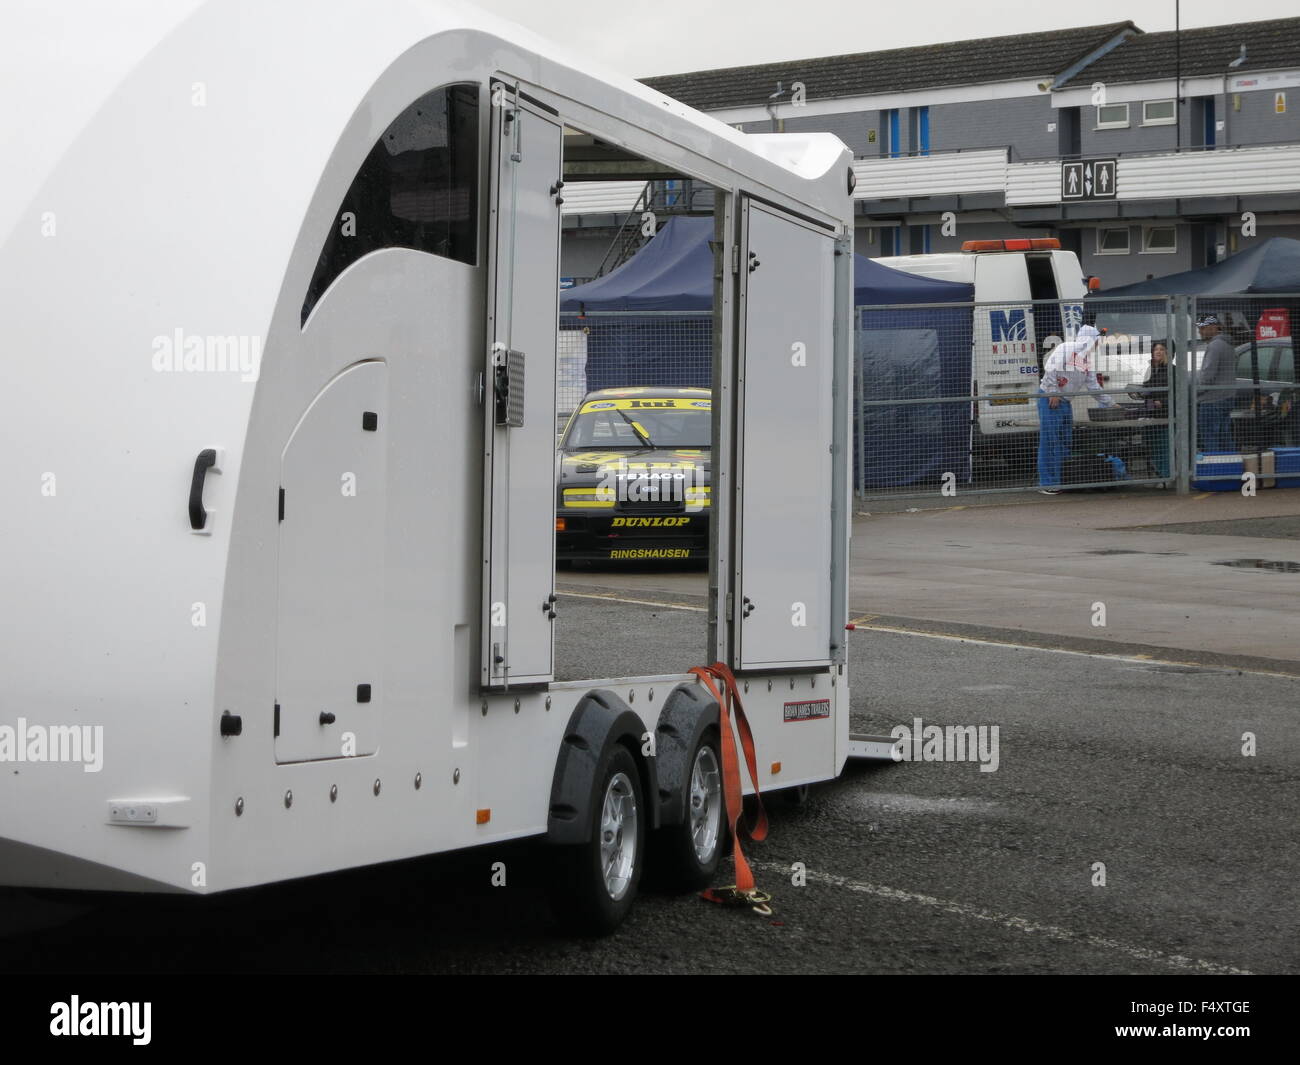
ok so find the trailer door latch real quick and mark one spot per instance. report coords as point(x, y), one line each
point(508, 387)
point(749, 608)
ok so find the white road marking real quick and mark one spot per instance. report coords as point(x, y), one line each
point(1143, 660)
point(637, 602)
point(1017, 924)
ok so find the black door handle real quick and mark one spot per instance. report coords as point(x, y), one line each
point(206, 460)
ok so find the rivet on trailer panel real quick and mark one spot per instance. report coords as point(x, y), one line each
point(334, 793)
point(377, 785)
point(288, 799)
point(419, 779)
point(239, 807)
point(455, 776)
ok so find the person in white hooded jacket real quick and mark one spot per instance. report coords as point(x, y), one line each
point(1068, 369)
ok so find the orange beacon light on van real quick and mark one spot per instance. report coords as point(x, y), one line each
point(1015, 244)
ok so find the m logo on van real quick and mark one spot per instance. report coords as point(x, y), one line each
point(1008, 324)
point(1012, 332)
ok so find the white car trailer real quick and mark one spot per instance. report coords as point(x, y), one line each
point(278, 285)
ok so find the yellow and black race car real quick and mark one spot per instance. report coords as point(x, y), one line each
point(633, 476)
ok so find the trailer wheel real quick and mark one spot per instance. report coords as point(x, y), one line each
point(686, 855)
point(596, 882)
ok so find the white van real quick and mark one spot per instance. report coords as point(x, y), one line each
point(1010, 334)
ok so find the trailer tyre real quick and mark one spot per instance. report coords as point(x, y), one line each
point(596, 882)
point(685, 856)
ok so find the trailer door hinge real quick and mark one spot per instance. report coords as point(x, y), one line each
point(735, 258)
point(731, 606)
point(282, 504)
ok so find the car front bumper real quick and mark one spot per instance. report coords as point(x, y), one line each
point(631, 537)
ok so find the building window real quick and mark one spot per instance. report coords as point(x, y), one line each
point(890, 240)
point(919, 119)
point(893, 146)
point(1157, 113)
point(918, 240)
point(417, 189)
point(1112, 241)
point(1112, 116)
point(1159, 240)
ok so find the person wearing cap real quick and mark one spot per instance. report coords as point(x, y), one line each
point(1068, 369)
point(1216, 382)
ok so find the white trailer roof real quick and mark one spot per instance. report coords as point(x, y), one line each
point(272, 86)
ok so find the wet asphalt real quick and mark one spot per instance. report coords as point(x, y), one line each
point(924, 867)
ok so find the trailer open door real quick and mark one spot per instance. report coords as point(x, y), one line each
point(783, 602)
point(519, 391)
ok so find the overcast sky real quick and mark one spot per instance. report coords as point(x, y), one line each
point(641, 38)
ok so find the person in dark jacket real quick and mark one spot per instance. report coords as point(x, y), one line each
point(1157, 406)
point(1216, 388)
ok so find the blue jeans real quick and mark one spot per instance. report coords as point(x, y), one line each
point(1055, 435)
point(1214, 426)
point(1157, 438)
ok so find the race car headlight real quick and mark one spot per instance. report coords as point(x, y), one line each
point(588, 497)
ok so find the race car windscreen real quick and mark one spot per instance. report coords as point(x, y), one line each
point(640, 423)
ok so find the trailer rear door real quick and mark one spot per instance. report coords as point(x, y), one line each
point(519, 391)
point(782, 605)
point(330, 692)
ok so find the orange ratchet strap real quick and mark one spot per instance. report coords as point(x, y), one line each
point(743, 892)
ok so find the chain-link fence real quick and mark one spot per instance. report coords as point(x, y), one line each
point(1243, 414)
point(955, 398)
point(622, 349)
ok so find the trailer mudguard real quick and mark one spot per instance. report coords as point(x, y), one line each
point(599, 719)
point(687, 713)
